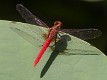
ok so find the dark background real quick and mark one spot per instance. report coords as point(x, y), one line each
point(73, 14)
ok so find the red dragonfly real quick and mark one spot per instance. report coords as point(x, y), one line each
point(54, 30)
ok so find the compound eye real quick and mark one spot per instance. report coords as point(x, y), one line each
point(58, 23)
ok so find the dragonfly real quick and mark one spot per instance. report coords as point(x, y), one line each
point(54, 30)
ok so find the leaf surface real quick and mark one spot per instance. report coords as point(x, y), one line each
point(71, 58)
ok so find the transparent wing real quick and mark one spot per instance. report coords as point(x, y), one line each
point(31, 33)
point(83, 33)
point(80, 33)
point(29, 17)
point(33, 40)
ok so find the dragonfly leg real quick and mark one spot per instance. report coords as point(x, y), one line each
point(58, 36)
point(55, 40)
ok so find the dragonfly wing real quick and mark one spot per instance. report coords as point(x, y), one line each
point(29, 17)
point(83, 33)
point(33, 40)
point(31, 33)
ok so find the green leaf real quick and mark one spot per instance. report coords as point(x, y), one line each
point(71, 58)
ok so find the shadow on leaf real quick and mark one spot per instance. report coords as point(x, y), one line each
point(60, 46)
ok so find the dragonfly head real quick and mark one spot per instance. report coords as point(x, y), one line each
point(58, 24)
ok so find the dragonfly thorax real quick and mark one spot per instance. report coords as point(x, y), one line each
point(57, 24)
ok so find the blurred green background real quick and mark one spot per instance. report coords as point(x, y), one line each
point(73, 14)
